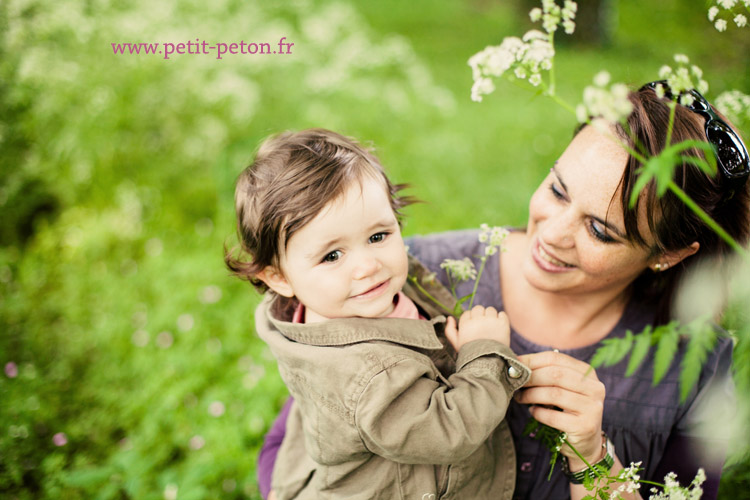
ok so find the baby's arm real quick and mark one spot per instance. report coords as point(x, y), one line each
point(408, 414)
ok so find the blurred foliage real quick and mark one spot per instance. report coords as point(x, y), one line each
point(131, 369)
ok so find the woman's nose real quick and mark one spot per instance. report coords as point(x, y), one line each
point(559, 229)
point(366, 265)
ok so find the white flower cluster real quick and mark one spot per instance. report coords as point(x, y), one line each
point(673, 491)
point(527, 56)
point(552, 15)
point(611, 103)
point(494, 237)
point(735, 105)
point(629, 479)
point(460, 270)
point(684, 77)
point(729, 7)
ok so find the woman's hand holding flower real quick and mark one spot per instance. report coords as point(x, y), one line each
point(566, 394)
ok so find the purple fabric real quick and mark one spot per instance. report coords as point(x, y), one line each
point(270, 450)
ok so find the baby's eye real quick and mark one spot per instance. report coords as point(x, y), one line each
point(378, 237)
point(332, 256)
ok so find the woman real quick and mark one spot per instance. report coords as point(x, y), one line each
point(587, 268)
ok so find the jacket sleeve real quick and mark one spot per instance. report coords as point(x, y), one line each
point(406, 414)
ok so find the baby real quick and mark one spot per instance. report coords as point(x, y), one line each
point(385, 407)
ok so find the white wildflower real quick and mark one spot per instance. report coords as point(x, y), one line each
point(659, 91)
point(571, 6)
point(700, 477)
point(460, 270)
point(712, 13)
point(682, 78)
point(481, 87)
point(687, 99)
point(536, 14)
point(720, 25)
point(727, 4)
point(664, 72)
point(569, 26)
point(734, 104)
point(670, 480)
point(535, 79)
point(582, 114)
point(740, 20)
point(611, 104)
point(601, 79)
point(520, 72)
point(429, 278)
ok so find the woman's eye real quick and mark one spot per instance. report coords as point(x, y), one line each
point(598, 232)
point(556, 192)
point(378, 237)
point(332, 256)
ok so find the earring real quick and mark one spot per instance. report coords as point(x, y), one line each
point(660, 267)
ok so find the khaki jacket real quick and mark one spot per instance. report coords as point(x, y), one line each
point(386, 410)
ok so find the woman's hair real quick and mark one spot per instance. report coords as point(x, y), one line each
point(675, 226)
point(293, 177)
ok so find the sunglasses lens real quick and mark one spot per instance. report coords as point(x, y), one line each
point(700, 104)
point(730, 151)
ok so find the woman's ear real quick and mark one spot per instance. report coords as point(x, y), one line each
point(276, 281)
point(670, 259)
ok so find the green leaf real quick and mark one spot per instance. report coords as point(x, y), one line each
point(702, 340)
point(643, 178)
point(612, 351)
point(465, 298)
point(642, 344)
point(668, 339)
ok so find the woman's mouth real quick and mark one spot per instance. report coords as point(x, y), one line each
point(547, 261)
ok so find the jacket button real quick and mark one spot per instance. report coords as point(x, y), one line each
point(514, 372)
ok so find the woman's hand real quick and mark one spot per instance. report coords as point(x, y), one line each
point(567, 395)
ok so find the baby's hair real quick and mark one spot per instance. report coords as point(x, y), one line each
point(293, 177)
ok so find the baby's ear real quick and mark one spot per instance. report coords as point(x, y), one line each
point(276, 281)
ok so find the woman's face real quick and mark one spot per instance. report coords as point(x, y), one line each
point(576, 236)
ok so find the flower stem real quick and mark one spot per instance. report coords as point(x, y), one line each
point(427, 294)
point(672, 107)
point(476, 281)
point(598, 473)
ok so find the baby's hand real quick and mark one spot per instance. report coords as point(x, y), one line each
point(478, 323)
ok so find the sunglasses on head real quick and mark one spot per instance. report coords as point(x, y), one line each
point(731, 153)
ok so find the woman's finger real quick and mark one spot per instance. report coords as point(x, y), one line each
point(563, 399)
point(567, 379)
point(552, 358)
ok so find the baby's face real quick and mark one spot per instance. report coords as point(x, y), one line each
point(350, 259)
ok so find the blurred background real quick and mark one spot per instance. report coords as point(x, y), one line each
point(131, 367)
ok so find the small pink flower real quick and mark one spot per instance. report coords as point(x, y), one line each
point(216, 409)
point(60, 439)
point(11, 369)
